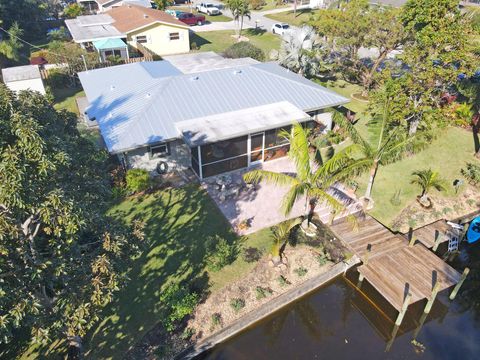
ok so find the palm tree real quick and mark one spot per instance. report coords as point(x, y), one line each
point(280, 237)
point(239, 9)
point(387, 144)
point(299, 50)
point(10, 48)
point(427, 180)
point(310, 180)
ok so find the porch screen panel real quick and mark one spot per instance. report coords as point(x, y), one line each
point(276, 146)
point(223, 166)
point(224, 149)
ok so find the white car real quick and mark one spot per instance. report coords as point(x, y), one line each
point(208, 8)
point(280, 28)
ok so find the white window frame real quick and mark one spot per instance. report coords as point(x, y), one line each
point(176, 34)
point(159, 154)
point(141, 36)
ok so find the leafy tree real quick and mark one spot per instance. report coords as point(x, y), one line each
point(27, 13)
point(239, 9)
point(73, 10)
point(353, 26)
point(427, 180)
point(310, 181)
point(470, 89)
point(281, 233)
point(299, 51)
point(62, 257)
point(162, 4)
point(437, 51)
point(10, 47)
point(387, 143)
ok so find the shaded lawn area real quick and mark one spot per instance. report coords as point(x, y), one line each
point(301, 17)
point(219, 41)
point(178, 221)
point(447, 154)
point(65, 98)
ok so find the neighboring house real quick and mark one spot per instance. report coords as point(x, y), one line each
point(201, 111)
point(110, 33)
point(26, 77)
point(104, 5)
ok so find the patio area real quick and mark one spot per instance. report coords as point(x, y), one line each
point(250, 208)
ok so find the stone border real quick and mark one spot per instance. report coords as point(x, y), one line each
point(267, 309)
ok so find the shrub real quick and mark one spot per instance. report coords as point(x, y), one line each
point(178, 302)
point(263, 292)
point(471, 202)
point(282, 281)
point(301, 271)
point(194, 46)
point(216, 320)
point(221, 252)
point(256, 4)
point(395, 199)
point(322, 259)
point(237, 304)
point(138, 180)
point(188, 333)
point(472, 173)
point(57, 78)
point(244, 49)
point(251, 254)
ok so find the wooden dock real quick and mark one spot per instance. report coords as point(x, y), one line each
point(401, 273)
point(432, 234)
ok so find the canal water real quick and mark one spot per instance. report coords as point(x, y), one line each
point(338, 322)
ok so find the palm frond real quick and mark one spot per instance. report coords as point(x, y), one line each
point(299, 151)
point(256, 176)
point(330, 200)
point(282, 230)
point(291, 197)
point(340, 119)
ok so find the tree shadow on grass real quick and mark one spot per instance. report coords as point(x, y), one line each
point(177, 223)
point(198, 40)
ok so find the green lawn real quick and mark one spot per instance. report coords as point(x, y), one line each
point(270, 5)
point(177, 223)
point(288, 17)
point(208, 18)
point(218, 41)
point(65, 98)
point(448, 153)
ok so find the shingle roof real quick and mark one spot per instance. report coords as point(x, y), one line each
point(18, 73)
point(135, 108)
point(130, 17)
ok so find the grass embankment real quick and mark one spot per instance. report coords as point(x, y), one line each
point(177, 223)
point(298, 19)
point(219, 41)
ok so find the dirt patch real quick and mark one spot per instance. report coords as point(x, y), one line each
point(443, 208)
point(261, 285)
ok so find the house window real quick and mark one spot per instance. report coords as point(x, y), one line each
point(174, 36)
point(113, 52)
point(142, 39)
point(159, 150)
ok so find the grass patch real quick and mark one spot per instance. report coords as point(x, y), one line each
point(298, 19)
point(65, 98)
point(208, 18)
point(218, 41)
point(177, 223)
point(270, 5)
point(447, 154)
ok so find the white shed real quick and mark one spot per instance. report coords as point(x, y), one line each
point(23, 78)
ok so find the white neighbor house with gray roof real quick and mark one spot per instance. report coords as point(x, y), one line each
point(222, 116)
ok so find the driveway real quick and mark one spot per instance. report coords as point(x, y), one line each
point(260, 206)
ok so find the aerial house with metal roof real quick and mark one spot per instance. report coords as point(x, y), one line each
point(211, 116)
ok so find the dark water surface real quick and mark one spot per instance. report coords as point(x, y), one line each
point(338, 322)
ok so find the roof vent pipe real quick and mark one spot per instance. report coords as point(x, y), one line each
point(112, 87)
point(145, 16)
point(195, 78)
point(236, 72)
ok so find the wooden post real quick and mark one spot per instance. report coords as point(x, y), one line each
point(435, 290)
point(459, 284)
point(403, 310)
point(360, 280)
point(420, 325)
point(438, 240)
point(367, 254)
point(411, 239)
point(392, 338)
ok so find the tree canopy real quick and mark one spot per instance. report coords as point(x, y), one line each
point(62, 257)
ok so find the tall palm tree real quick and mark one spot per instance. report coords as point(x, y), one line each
point(427, 180)
point(386, 144)
point(310, 180)
point(239, 9)
point(280, 237)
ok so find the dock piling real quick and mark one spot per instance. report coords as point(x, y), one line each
point(403, 310)
point(459, 284)
point(438, 240)
point(435, 290)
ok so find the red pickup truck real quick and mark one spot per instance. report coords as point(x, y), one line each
point(191, 19)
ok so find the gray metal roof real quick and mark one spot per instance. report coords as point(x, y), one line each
point(205, 61)
point(224, 126)
point(92, 27)
point(135, 108)
point(18, 73)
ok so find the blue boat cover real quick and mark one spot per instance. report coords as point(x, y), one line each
point(473, 233)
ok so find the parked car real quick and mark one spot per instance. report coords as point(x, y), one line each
point(280, 28)
point(174, 13)
point(208, 8)
point(191, 19)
